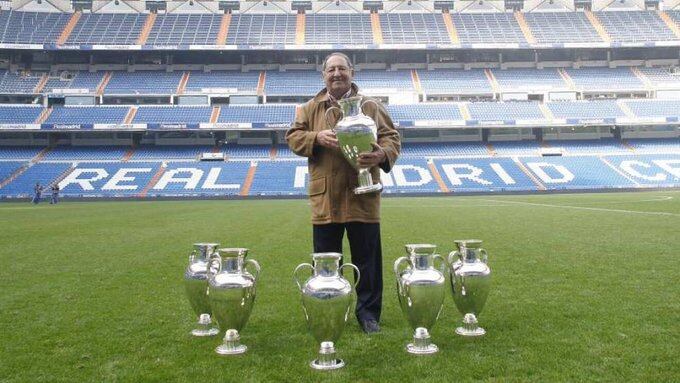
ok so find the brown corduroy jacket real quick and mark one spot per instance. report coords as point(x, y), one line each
point(331, 178)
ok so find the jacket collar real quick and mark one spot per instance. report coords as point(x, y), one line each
point(323, 96)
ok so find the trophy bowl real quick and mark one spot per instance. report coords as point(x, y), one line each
point(327, 297)
point(470, 283)
point(356, 134)
point(196, 278)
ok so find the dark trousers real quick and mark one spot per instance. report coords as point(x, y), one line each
point(364, 243)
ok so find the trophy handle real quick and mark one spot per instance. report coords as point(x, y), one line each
point(215, 263)
point(453, 255)
point(256, 265)
point(356, 282)
point(485, 256)
point(398, 263)
point(192, 256)
point(443, 265)
point(295, 276)
point(328, 123)
point(363, 102)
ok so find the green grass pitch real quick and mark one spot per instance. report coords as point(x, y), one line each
point(585, 288)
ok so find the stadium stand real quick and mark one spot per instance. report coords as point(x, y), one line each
point(169, 152)
point(85, 153)
point(15, 114)
point(294, 82)
point(586, 109)
point(418, 28)
point(19, 152)
point(107, 28)
point(32, 27)
point(430, 111)
point(454, 81)
point(561, 27)
point(257, 114)
point(185, 29)
point(529, 79)
point(494, 111)
point(143, 82)
point(172, 114)
point(87, 114)
point(490, 28)
point(605, 78)
point(262, 29)
point(232, 81)
point(339, 28)
point(380, 79)
point(152, 140)
point(638, 26)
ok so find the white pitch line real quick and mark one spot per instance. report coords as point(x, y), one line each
point(661, 213)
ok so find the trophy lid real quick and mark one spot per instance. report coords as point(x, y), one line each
point(204, 245)
point(468, 243)
point(420, 248)
point(232, 252)
point(329, 255)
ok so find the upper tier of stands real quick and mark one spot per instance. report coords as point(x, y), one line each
point(175, 29)
point(561, 27)
point(308, 82)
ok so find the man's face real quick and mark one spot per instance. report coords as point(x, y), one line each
point(337, 76)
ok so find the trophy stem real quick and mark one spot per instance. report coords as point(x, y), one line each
point(421, 343)
point(470, 326)
point(366, 183)
point(327, 359)
point(231, 345)
point(204, 327)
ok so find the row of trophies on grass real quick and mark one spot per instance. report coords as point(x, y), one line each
point(221, 283)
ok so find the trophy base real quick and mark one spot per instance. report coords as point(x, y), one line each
point(462, 331)
point(420, 350)
point(200, 332)
point(231, 345)
point(368, 189)
point(421, 343)
point(327, 365)
point(231, 350)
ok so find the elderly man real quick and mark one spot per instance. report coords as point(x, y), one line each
point(335, 206)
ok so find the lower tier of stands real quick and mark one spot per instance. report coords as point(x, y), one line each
point(411, 174)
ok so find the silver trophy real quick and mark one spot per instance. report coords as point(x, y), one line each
point(356, 134)
point(470, 283)
point(231, 291)
point(196, 278)
point(421, 288)
point(326, 299)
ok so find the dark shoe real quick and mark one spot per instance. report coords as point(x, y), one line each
point(370, 326)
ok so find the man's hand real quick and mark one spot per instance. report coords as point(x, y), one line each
point(327, 138)
point(371, 159)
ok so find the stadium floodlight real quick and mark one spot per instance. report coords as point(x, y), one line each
point(443, 6)
point(373, 5)
point(301, 6)
point(229, 6)
point(81, 5)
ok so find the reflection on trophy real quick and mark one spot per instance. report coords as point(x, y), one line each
point(196, 284)
point(326, 299)
point(421, 289)
point(356, 134)
point(470, 283)
point(231, 291)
